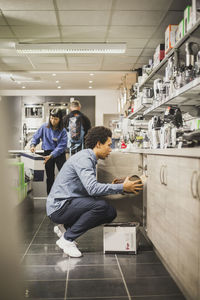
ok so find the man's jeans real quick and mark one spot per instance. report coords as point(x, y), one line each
point(80, 214)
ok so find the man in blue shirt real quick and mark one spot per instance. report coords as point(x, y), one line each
point(75, 198)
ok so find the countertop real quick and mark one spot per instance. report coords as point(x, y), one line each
point(183, 152)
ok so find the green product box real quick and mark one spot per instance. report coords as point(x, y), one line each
point(16, 174)
point(20, 193)
point(181, 29)
point(187, 19)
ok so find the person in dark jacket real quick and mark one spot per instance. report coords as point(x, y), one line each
point(54, 144)
point(77, 125)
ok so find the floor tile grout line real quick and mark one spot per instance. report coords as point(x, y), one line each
point(80, 279)
point(95, 265)
point(90, 279)
point(67, 279)
point(126, 288)
point(32, 239)
point(116, 297)
point(92, 298)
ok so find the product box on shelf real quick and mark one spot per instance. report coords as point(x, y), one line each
point(179, 31)
point(170, 37)
point(138, 102)
point(195, 11)
point(121, 237)
point(187, 19)
point(16, 173)
point(159, 54)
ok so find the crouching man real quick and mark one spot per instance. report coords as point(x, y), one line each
point(75, 198)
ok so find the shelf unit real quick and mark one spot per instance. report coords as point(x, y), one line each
point(172, 51)
point(138, 111)
point(183, 96)
point(188, 95)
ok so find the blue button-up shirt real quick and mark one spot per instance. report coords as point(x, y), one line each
point(76, 179)
point(55, 140)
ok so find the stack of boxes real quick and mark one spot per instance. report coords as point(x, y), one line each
point(175, 33)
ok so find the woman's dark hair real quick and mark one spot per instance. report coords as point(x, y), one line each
point(56, 112)
point(97, 134)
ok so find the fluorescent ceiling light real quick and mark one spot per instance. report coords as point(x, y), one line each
point(53, 48)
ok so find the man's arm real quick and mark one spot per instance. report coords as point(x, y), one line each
point(87, 175)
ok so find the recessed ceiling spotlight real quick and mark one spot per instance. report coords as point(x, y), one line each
point(57, 81)
point(23, 87)
point(53, 74)
point(90, 87)
point(90, 81)
point(91, 74)
point(59, 87)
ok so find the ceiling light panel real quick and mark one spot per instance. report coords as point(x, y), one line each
point(76, 48)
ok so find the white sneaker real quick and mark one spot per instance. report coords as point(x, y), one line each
point(68, 247)
point(59, 230)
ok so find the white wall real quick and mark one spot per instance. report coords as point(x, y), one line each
point(106, 100)
point(106, 103)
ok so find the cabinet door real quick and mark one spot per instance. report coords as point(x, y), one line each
point(162, 227)
point(189, 224)
point(173, 216)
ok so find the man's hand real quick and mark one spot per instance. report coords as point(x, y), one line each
point(32, 149)
point(46, 158)
point(132, 186)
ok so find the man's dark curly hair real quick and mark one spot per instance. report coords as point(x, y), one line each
point(97, 134)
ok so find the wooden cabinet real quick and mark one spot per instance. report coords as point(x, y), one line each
point(173, 217)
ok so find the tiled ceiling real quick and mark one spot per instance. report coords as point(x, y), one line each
point(138, 23)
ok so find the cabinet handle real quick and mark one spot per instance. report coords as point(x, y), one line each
point(165, 175)
point(161, 174)
point(198, 184)
point(194, 176)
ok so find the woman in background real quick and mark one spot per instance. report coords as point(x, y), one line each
point(54, 143)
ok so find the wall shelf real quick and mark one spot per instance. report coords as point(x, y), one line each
point(189, 94)
point(172, 51)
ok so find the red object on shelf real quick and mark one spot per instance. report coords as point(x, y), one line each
point(123, 145)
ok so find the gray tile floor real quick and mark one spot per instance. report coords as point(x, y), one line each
point(50, 274)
